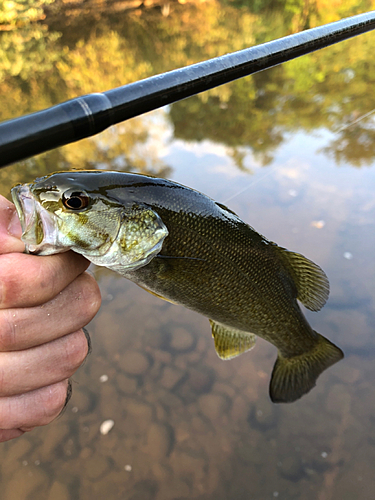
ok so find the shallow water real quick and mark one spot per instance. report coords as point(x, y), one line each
point(291, 151)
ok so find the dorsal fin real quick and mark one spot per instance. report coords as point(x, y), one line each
point(311, 281)
point(230, 342)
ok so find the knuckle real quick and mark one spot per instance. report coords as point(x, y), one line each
point(5, 421)
point(9, 285)
point(2, 381)
point(8, 434)
point(47, 276)
point(14, 285)
point(8, 325)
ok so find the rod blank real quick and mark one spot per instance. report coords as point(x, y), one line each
point(88, 115)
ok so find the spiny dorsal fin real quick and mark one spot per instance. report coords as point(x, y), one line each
point(311, 281)
point(230, 342)
point(293, 377)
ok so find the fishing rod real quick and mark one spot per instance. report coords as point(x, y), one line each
point(88, 115)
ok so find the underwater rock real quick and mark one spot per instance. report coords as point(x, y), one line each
point(291, 468)
point(213, 406)
point(181, 340)
point(264, 418)
point(106, 427)
point(127, 385)
point(134, 362)
point(18, 449)
point(58, 491)
point(25, 483)
point(96, 467)
point(171, 376)
point(201, 379)
point(160, 438)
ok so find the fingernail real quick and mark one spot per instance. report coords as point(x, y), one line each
point(88, 338)
point(68, 393)
point(14, 226)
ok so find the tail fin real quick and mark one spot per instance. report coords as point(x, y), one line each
point(293, 377)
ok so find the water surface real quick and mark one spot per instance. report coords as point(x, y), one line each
point(291, 150)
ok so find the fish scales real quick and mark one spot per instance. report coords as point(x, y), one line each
point(236, 284)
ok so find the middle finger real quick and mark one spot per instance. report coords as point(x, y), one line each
point(69, 311)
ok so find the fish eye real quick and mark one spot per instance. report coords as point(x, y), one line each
point(75, 200)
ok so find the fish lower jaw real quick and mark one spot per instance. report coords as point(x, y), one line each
point(43, 248)
point(48, 244)
point(40, 231)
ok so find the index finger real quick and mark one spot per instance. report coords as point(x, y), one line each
point(28, 280)
point(10, 228)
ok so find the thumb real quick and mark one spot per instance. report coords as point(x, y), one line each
point(10, 228)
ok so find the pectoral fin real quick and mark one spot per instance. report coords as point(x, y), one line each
point(230, 342)
point(157, 295)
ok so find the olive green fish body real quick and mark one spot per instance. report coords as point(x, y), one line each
point(214, 263)
point(184, 247)
point(247, 288)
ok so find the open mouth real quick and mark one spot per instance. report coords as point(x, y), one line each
point(25, 206)
point(38, 227)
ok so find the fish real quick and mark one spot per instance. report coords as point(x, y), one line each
point(186, 248)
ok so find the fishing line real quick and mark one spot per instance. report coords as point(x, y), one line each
point(255, 181)
point(273, 168)
point(355, 121)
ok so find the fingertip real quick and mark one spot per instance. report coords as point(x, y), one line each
point(76, 350)
point(80, 259)
point(10, 228)
point(93, 298)
point(54, 399)
point(5, 204)
point(14, 225)
point(8, 434)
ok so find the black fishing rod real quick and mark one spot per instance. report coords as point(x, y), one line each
point(88, 115)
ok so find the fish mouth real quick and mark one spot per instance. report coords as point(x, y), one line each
point(39, 228)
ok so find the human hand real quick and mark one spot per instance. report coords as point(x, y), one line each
point(44, 303)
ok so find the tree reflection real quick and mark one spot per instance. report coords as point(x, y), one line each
point(66, 51)
point(354, 145)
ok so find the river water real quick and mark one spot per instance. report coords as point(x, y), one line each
point(291, 151)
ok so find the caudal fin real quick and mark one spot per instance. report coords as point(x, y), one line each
point(293, 377)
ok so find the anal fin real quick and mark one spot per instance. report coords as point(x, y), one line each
point(230, 342)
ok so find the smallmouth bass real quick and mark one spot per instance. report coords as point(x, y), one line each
point(184, 247)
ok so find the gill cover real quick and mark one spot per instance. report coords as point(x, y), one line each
point(104, 231)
